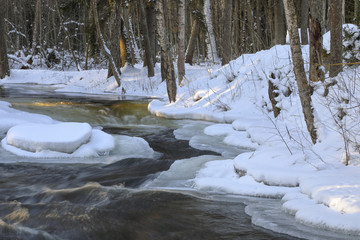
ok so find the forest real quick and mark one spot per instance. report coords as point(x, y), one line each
point(63, 34)
point(88, 34)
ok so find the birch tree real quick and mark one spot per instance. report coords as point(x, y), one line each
point(298, 63)
point(166, 57)
point(134, 49)
point(211, 44)
point(181, 43)
point(4, 63)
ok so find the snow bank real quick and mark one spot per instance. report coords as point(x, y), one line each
point(39, 136)
point(315, 184)
point(57, 141)
point(219, 176)
point(38, 76)
point(60, 137)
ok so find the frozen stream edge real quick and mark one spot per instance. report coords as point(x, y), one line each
point(265, 212)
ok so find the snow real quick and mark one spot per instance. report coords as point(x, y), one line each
point(39, 136)
point(11, 117)
point(61, 137)
point(273, 157)
point(133, 147)
point(99, 144)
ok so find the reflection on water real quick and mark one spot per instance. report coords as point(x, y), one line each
point(103, 201)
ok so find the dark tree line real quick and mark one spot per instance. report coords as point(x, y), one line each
point(238, 26)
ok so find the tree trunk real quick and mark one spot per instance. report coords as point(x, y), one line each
point(211, 44)
point(4, 63)
point(316, 41)
point(192, 41)
point(134, 49)
point(251, 25)
point(259, 31)
point(147, 44)
point(36, 28)
point(243, 43)
point(335, 38)
point(298, 62)
point(125, 46)
point(166, 59)
point(103, 44)
point(357, 12)
point(151, 23)
point(115, 36)
point(304, 21)
point(279, 22)
point(226, 38)
point(181, 43)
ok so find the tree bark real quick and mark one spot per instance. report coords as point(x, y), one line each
point(335, 38)
point(151, 23)
point(166, 59)
point(316, 41)
point(115, 38)
point(298, 62)
point(4, 63)
point(107, 52)
point(251, 25)
point(181, 43)
point(279, 22)
point(211, 48)
point(147, 44)
point(125, 46)
point(304, 21)
point(192, 41)
point(357, 12)
point(226, 38)
point(36, 28)
point(134, 49)
point(259, 31)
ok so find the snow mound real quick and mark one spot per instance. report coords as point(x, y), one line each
point(59, 137)
point(220, 176)
point(133, 147)
point(68, 139)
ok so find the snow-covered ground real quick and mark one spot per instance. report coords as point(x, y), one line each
point(313, 181)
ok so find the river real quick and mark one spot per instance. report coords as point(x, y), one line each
point(117, 197)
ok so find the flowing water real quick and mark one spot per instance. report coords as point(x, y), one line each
point(116, 197)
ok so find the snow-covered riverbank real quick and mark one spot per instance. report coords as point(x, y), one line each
point(312, 180)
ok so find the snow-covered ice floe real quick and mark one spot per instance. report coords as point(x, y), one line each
point(69, 139)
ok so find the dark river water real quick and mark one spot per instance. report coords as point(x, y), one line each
point(105, 201)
